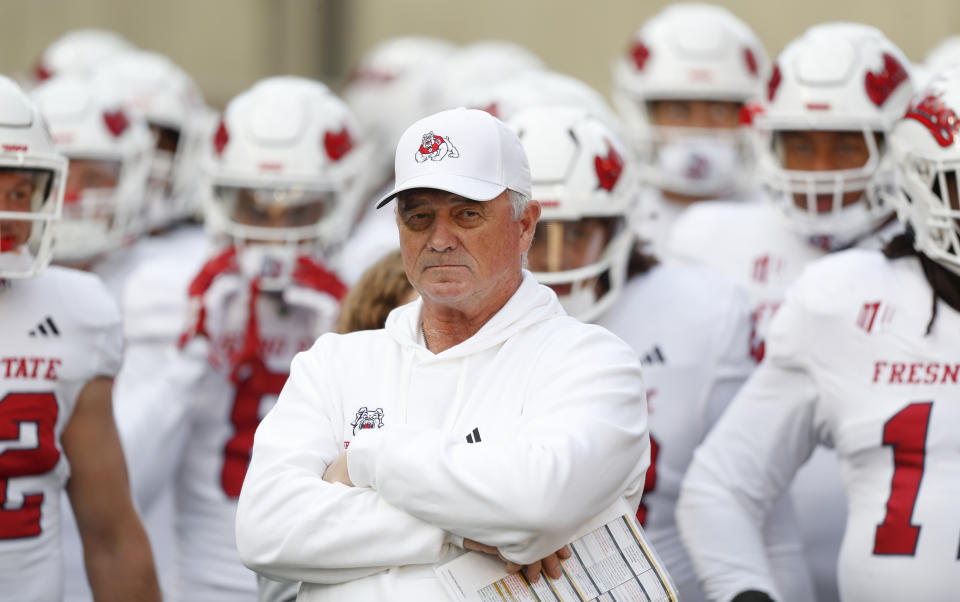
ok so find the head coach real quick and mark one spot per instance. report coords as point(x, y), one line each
point(482, 416)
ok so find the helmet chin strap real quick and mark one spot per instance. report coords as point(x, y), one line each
point(246, 359)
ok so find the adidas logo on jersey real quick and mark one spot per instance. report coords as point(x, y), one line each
point(654, 356)
point(47, 328)
point(474, 437)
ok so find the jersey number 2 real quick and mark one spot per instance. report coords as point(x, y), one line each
point(245, 416)
point(27, 447)
point(906, 433)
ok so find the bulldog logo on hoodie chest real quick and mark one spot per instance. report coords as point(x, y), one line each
point(367, 419)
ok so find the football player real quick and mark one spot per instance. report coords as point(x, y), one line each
point(59, 355)
point(286, 163)
point(685, 91)
point(862, 356)
point(109, 149)
point(179, 120)
point(585, 250)
point(831, 100)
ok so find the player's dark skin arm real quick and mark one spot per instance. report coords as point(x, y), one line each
point(115, 546)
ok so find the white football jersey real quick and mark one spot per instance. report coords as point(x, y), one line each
point(61, 330)
point(749, 242)
point(848, 366)
point(690, 326)
point(754, 244)
point(194, 427)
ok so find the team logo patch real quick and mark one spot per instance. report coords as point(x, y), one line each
point(936, 117)
point(774, 82)
point(639, 53)
point(872, 314)
point(367, 419)
point(116, 122)
point(698, 167)
point(435, 148)
point(880, 85)
point(337, 144)
point(608, 168)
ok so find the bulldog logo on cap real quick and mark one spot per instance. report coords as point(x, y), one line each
point(435, 148)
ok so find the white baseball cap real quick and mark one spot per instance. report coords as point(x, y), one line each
point(464, 151)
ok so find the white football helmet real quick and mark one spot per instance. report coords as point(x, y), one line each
point(538, 88)
point(835, 77)
point(586, 187)
point(387, 90)
point(33, 175)
point(691, 51)
point(926, 144)
point(78, 51)
point(175, 110)
point(285, 178)
point(109, 149)
point(479, 64)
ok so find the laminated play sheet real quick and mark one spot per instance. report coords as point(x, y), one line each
point(611, 561)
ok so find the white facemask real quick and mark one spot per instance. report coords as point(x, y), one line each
point(17, 262)
point(697, 165)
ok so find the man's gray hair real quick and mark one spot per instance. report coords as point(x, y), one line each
point(518, 202)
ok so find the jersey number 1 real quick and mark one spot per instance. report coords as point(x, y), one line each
point(27, 447)
point(906, 433)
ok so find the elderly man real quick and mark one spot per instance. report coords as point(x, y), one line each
point(482, 417)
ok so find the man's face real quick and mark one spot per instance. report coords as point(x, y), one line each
point(253, 208)
point(695, 113)
point(89, 175)
point(461, 253)
point(568, 245)
point(814, 150)
point(85, 174)
point(16, 192)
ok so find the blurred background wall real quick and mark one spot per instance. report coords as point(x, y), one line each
point(228, 44)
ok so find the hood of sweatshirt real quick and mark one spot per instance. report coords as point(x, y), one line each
point(531, 304)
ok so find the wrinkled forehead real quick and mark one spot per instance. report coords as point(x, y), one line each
point(418, 197)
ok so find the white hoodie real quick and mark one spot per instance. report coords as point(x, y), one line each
point(555, 411)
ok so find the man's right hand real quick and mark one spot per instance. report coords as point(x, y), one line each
point(550, 564)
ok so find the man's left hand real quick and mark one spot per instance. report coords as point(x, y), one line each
point(337, 471)
point(549, 565)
